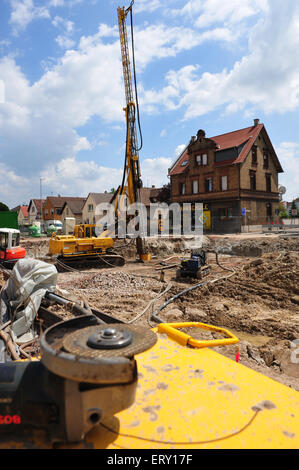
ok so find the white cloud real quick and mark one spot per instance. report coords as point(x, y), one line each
point(147, 5)
point(288, 154)
point(65, 42)
point(267, 78)
point(204, 13)
point(179, 149)
point(76, 178)
point(154, 171)
point(24, 12)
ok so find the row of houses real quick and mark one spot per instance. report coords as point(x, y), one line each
point(234, 176)
point(83, 210)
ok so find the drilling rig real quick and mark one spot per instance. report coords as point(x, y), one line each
point(84, 248)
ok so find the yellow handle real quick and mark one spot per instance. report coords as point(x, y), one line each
point(185, 339)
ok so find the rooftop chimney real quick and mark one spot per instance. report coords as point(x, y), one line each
point(256, 122)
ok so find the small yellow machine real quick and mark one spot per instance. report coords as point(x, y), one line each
point(84, 248)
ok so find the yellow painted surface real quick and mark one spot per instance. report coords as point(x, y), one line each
point(197, 398)
point(207, 219)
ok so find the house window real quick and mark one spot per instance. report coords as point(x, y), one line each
point(90, 207)
point(268, 183)
point(225, 213)
point(208, 185)
point(269, 209)
point(52, 211)
point(202, 159)
point(195, 186)
point(254, 155)
point(266, 159)
point(182, 188)
point(67, 211)
point(58, 211)
point(46, 212)
point(223, 183)
point(252, 177)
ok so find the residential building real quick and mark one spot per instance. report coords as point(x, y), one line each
point(53, 206)
point(23, 215)
point(73, 208)
point(90, 204)
point(234, 175)
point(149, 197)
point(34, 210)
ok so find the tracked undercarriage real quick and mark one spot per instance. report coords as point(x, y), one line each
point(81, 262)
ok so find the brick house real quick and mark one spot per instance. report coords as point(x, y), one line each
point(235, 176)
point(53, 206)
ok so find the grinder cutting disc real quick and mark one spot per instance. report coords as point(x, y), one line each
point(114, 340)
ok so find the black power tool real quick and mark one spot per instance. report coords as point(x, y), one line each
point(87, 372)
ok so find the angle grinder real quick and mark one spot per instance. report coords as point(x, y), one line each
point(87, 372)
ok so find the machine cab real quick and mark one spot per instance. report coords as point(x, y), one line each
point(10, 250)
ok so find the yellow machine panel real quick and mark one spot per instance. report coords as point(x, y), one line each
point(194, 398)
point(198, 399)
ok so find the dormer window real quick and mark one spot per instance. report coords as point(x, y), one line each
point(202, 159)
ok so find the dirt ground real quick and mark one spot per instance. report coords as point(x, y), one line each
point(253, 291)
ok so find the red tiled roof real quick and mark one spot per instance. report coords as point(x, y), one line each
point(245, 136)
point(36, 203)
point(24, 210)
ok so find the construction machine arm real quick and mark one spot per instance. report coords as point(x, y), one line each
point(131, 182)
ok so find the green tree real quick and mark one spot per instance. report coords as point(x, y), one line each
point(283, 214)
point(3, 207)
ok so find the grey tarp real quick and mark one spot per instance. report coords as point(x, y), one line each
point(22, 294)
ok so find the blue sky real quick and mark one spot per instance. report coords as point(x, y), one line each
point(201, 64)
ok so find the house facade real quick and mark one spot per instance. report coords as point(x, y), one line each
point(23, 215)
point(234, 175)
point(73, 208)
point(35, 210)
point(90, 204)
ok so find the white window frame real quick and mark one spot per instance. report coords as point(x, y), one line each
point(224, 186)
point(195, 186)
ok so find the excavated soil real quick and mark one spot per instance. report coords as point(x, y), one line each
point(258, 300)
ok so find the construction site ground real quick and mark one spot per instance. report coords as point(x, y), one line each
point(256, 296)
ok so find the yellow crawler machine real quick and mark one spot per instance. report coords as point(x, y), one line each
point(84, 249)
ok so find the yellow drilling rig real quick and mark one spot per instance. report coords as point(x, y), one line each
point(84, 248)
